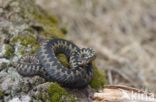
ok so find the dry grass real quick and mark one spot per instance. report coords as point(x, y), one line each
point(122, 31)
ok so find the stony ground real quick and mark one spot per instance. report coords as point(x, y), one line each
point(123, 32)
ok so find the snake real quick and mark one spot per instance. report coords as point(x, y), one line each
point(46, 64)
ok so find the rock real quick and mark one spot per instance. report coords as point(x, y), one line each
point(24, 98)
point(13, 84)
point(3, 65)
point(40, 92)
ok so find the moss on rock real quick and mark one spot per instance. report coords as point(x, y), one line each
point(48, 22)
point(9, 50)
point(59, 94)
point(98, 80)
point(25, 41)
point(50, 28)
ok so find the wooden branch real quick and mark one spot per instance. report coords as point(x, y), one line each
point(123, 94)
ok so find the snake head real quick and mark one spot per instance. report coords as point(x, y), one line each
point(85, 56)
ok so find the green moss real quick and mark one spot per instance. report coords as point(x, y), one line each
point(40, 18)
point(1, 94)
point(25, 41)
point(9, 50)
point(63, 59)
point(48, 22)
point(98, 80)
point(59, 94)
point(56, 97)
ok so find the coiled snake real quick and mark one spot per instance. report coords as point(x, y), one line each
point(47, 65)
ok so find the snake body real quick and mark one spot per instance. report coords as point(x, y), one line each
point(47, 65)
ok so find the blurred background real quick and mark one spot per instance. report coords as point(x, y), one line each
point(123, 32)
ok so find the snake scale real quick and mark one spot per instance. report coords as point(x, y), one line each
point(46, 64)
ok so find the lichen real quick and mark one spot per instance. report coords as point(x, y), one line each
point(42, 96)
point(98, 80)
point(59, 94)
